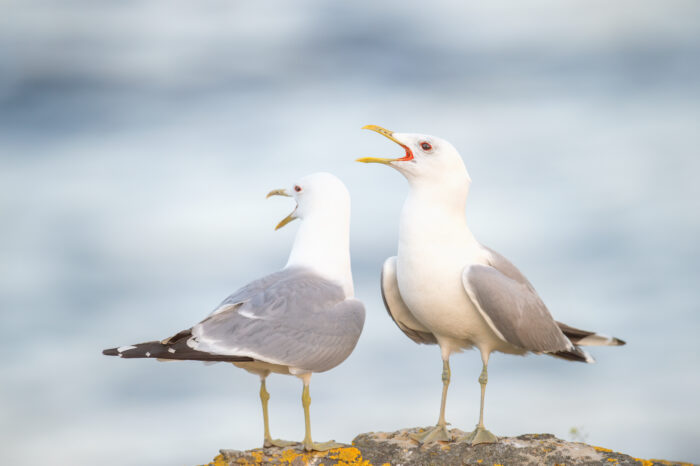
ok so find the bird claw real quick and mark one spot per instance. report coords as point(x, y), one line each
point(321, 446)
point(273, 442)
point(438, 433)
point(480, 435)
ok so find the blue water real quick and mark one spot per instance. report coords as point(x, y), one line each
point(137, 142)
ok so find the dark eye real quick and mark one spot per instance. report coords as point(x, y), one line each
point(297, 188)
point(426, 146)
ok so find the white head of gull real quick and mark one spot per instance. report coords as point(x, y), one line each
point(322, 241)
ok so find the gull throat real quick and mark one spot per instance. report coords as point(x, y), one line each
point(323, 245)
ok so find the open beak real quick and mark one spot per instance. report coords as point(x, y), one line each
point(388, 134)
point(288, 218)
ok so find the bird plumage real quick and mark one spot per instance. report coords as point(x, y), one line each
point(299, 320)
point(445, 287)
point(291, 318)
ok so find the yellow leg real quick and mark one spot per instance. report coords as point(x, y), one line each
point(483, 380)
point(439, 432)
point(309, 444)
point(269, 441)
point(264, 398)
point(306, 402)
point(446, 375)
point(481, 434)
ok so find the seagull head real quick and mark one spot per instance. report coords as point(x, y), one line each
point(426, 159)
point(319, 195)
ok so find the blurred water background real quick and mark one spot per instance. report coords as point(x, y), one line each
point(138, 141)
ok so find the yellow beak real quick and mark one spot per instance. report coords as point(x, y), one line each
point(374, 160)
point(277, 192)
point(390, 135)
point(288, 218)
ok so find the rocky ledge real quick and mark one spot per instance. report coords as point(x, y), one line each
point(397, 448)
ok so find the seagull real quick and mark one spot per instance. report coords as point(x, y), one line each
point(445, 288)
point(297, 321)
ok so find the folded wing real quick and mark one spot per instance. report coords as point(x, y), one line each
point(293, 317)
point(397, 309)
point(514, 310)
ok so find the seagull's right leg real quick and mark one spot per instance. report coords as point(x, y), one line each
point(439, 432)
point(264, 398)
point(308, 444)
point(481, 434)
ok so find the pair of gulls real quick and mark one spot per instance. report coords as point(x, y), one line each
point(443, 287)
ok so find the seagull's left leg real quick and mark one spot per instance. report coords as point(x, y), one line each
point(480, 434)
point(310, 445)
point(264, 398)
point(439, 432)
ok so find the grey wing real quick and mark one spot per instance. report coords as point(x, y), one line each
point(507, 268)
point(397, 309)
point(293, 318)
point(513, 309)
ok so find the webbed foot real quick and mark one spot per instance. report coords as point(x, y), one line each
point(480, 435)
point(321, 446)
point(433, 434)
point(273, 442)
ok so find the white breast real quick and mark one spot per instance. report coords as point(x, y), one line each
point(434, 248)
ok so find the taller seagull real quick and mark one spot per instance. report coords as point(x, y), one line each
point(446, 288)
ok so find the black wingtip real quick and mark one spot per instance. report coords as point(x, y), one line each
point(574, 354)
point(619, 342)
point(111, 352)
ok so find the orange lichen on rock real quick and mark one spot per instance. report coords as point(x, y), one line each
point(258, 455)
point(344, 456)
point(218, 461)
point(348, 456)
point(290, 455)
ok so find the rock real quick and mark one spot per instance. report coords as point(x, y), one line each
point(397, 448)
point(294, 456)
point(530, 449)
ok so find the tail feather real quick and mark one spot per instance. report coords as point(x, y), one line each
point(174, 348)
point(585, 338)
point(574, 354)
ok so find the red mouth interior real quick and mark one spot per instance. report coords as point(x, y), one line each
point(407, 157)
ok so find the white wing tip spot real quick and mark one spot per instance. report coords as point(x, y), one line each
point(597, 339)
point(121, 349)
point(148, 355)
point(248, 315)
point(171, 350)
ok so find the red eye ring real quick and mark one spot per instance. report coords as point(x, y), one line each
point(426, 146)
point(297, 188)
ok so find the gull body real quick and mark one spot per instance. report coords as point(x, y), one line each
point(434, 248)
point(296, 321)
point(444, 287)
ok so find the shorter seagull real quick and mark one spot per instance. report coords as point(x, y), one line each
point(300, 320)
point(445, 288)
